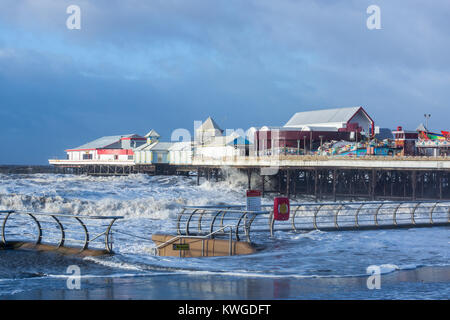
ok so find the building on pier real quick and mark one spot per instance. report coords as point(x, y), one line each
point(109, 148)
point(210, 142)
point(306, 131)
point(432, 144)
point(207, 131)
point(152, 136)
point(181, 153)
point(405, 140)
point(153, 152)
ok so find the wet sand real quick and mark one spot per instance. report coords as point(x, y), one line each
point(421, 283)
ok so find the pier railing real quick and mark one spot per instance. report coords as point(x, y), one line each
point(57, 230)
point(333, 216)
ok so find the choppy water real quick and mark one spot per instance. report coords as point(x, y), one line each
point(150, 204)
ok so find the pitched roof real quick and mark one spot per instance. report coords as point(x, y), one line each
point(233, 138)
point(103, 142)
point(155, 146)
point(152, 133)
point(181, 146)
point(209, 124)
point(322, 116)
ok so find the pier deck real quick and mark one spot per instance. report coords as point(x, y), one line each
point(371, 177)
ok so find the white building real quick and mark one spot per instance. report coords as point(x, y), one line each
point(181, 153)
point(207, 132)
point(211, 143)
point(109, 148)
point(154, 152)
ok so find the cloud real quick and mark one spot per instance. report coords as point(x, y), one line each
point(135, 64)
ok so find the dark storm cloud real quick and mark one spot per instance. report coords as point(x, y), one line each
point(136, 65)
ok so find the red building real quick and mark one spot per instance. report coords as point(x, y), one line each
point(110, 148)
point(306, 131)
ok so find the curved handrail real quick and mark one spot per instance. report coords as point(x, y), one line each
point(432, 210)
point(56, 221)
point(375, 217)
point(356, 215)
point(394, 215)
point(63, 233)
point(336, 225)
point(413, 220)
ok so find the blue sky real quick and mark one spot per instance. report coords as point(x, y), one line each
point(137, 65)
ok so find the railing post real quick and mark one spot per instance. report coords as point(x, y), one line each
point(356, 215)
point(108, 245)
point(413, 220)
point(199, 229)
point(179, 220)
point(336, 217)
point(39, 238)
point(315, 216)
point(61, 228)
point(211, 227)
point(293, 219)
point(86, 234)
point(271, 222)
point(189, 221)
point(376, 214)
point(231, 242)
point(4, 225)
point(431, 212)
point(394, 215)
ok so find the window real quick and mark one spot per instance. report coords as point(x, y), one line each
point(87, 156)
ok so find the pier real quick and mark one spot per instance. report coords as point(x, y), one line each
point(369, 177)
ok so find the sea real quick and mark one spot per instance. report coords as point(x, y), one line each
point(413, 263)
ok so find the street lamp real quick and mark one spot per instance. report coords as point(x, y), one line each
point(427, 116)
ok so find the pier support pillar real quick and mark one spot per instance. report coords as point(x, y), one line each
point(288, 182)
point(413, 184)
point(334, 184)
point(316, 178)
point(373, 184)
point(262, 183)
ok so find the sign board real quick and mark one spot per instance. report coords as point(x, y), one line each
point(281, 208)
point(179, 246)
point(253, 200)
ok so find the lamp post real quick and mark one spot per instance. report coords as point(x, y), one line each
point(427, 116)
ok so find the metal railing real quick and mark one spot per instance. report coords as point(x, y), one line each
point(332, 216)
point(364, 216)
point(56, 229)
point(208, 218)
point(202, 238)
